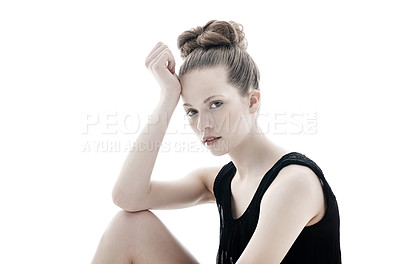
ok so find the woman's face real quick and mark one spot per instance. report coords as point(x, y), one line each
point(215, 108)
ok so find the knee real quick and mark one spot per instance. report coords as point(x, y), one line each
point(130, 221)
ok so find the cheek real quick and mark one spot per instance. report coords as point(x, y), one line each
point(238, 122)
point(193, 124)
point(224, 121)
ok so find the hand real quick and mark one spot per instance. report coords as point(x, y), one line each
point(161, 64)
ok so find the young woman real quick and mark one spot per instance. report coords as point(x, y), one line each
point(275, 205)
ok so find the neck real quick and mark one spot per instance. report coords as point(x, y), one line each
point(255, 154)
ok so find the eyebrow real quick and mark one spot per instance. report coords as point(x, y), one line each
point(206, 100)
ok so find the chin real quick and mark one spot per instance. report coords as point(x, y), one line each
point(217, 154)
point(219, 149)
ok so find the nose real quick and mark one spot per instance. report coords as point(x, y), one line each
point(204, 121)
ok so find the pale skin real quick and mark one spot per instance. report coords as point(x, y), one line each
point(294, 200)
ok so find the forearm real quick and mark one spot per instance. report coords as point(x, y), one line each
point(133, 183)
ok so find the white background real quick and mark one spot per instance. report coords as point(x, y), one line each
point(64, 64)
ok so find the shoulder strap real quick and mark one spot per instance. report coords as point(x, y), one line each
point(221, 177)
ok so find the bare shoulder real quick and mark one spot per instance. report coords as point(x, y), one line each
point(297, 177)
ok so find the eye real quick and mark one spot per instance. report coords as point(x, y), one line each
point(191, 112)
point(218, 104)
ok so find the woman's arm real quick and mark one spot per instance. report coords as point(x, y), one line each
point(133, 182)
point(134, 190)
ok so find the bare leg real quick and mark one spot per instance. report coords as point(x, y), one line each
point(139, 238)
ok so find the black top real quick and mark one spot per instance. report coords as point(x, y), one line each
point(316, 244)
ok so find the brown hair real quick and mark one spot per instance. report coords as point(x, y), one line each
point(219, 43)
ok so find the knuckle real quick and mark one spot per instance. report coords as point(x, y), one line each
point(164, 47)
point(156, 67)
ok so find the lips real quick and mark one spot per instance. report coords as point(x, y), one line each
point(209, 139)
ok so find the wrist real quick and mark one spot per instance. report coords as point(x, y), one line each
point(168, 102)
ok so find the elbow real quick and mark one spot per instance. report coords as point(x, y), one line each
point(120, 200)
point(116, 197)
point(125, 202)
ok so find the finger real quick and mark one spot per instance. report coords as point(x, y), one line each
point(156, 51)
point(163, 60)
point(160, 67)
point(153, 54)
point(156, 46)
point(159, 62)
point(171, 63)
point(153, 58)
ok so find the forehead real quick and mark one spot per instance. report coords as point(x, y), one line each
point(200, 84)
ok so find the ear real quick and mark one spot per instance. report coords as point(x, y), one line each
point(254, 101)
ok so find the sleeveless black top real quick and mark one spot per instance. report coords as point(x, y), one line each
point(316, 244)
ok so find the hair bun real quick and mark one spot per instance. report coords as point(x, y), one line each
point(215, 33)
